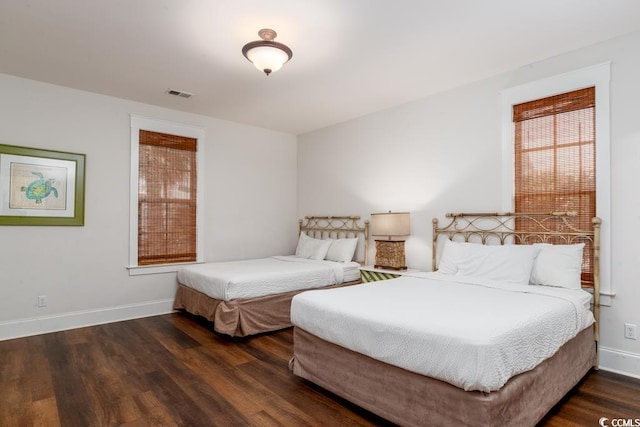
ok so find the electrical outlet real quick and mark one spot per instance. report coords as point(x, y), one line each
point(630, 331)
point(42, 301)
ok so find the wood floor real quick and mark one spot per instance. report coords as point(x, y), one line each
point(171, 370)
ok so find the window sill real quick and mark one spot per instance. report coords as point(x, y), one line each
point(605, 297)
point(139, 270)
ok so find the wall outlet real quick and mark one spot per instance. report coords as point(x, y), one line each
point(630, 331)
point(42, 301)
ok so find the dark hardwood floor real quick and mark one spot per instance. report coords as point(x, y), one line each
point(172, 370)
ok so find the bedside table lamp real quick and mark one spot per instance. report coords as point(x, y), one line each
point(390, 230)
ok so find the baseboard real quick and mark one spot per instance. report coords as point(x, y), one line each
point(79, 319)
point(619, 362)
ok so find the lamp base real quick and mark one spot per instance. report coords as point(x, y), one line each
point(390, 255)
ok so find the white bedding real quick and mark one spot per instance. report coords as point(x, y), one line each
point(474, 334)
point(265, 276)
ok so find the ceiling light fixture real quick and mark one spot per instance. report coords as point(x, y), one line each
point(267, 55)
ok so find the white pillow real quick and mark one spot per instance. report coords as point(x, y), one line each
point(311, 248)
point(451, 252)
point(558, 265)
point(342, 250)
point(505, 263)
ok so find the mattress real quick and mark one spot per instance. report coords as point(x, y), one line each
point(265, 276)
point(474, 334)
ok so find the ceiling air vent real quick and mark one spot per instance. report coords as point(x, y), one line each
point(179, 93)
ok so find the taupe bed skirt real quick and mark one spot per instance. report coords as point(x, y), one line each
point(408, 398)
point(241, 317)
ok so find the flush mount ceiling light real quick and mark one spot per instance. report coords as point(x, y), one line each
point(267, 55)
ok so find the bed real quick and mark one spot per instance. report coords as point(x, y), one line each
point(253, 296)
point(468, 344)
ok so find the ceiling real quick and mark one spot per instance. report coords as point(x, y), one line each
point(350, 57)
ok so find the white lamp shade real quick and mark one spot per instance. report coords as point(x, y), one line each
point(267, 58)
point(391, 225)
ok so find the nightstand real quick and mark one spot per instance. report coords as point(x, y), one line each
point(369, 273)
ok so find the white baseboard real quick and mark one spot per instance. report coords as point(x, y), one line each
point(619, 362)
point(79, 319)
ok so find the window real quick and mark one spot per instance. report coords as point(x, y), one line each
point(165, 187)
point(596, 76)
point(554, 156)
point(166, 198)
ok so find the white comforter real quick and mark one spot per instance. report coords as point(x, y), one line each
point(473, 334)
point(259, 277)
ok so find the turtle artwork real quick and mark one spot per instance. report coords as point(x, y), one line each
point(40, 188)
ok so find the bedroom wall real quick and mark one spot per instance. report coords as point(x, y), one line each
point(250, 207)
point(443, 153)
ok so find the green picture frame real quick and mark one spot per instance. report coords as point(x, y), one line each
point(41, 187)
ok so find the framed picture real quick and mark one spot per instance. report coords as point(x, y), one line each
point(41, 187)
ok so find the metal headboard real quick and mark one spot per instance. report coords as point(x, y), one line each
point(501, 228)
point(336, 227)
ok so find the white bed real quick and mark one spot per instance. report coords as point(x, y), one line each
point(247, 297)
point(474, 334)
point(495, 337)
point(265, 276)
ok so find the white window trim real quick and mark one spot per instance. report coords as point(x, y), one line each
point(599, 76)
point(144, 123)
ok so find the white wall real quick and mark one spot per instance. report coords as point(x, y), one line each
point(250, 204)
point(443, 154)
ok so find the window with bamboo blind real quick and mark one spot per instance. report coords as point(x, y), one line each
point(167, 198)
point(555, 162)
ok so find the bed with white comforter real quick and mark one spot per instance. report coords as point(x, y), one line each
point(265, 276)
point(496, 336)
point(472, 333)
point(252, 296)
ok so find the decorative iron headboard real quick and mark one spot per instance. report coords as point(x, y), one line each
point(552, 227)
point(337, 227)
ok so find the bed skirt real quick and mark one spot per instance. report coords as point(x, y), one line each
point(407, 398)
point(241, 317)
